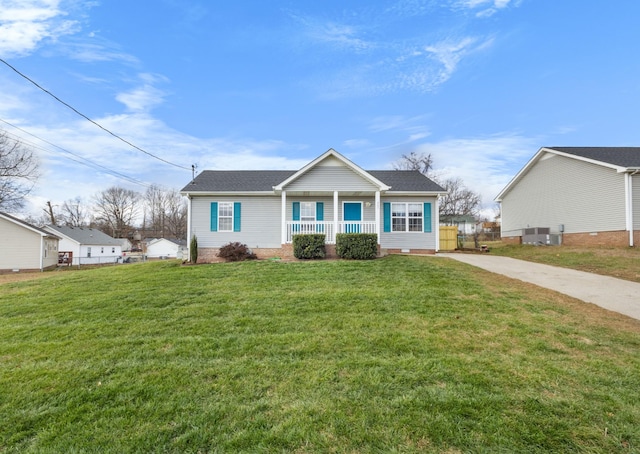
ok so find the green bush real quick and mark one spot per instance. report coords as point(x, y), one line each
point(236, 252)
point(358, 246)
point(193, 249)
point(309, 246)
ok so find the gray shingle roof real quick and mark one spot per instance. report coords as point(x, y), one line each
point(265, 180)
point(85, 235)
point(620, 156)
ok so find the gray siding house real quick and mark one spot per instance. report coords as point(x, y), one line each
point(86, 246)
point(24, 247)
point(330, 195)
point(584, 195)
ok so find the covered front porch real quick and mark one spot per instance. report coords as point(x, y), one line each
point(347, 212)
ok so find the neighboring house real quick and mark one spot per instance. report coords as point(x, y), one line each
point(265, 209)
point(166, 248)
point(125, 244)
point(577, 195)
point(466, 223)
point(24, 247)
point(85, 246)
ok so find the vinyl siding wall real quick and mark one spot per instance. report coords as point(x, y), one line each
point(635, 197)
point(330, 178)
point(20, 248)
point(259, 222)
point(409, 240)
point(557, 190)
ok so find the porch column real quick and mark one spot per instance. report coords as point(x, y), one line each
point(377, 207)
point(283, 218)
point(335, 214)
point(436, 224)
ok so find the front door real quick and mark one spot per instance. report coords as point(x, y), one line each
point(352, 211)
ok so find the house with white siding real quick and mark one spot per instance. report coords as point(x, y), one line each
point(578, 195)
point(25, 247)
point(86, 246)
point(169, 248)
point(330, 195)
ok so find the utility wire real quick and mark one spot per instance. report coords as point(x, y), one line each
point(81, 160)
point(92, 121)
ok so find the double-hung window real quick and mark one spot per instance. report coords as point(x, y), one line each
point(406, 217)
point(225, 216)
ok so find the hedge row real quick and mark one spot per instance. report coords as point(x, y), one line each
point(355, 246)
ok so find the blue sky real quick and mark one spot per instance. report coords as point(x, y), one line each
point(479, 84)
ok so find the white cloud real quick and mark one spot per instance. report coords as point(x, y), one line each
point(487, 7)
point(336, 34)
point(485, 164)
point(144, 97)
point(24, 24)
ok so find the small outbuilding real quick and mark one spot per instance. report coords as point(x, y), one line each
point(166, 248)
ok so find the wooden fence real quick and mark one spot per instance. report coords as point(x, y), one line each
point(448, 237)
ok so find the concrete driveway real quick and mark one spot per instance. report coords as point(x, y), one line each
point(608, 292)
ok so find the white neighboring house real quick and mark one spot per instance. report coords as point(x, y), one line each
point(86, 246)
point(24, 247)
point(125, 243)
point(166, 248)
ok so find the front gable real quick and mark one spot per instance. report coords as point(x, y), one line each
point(332, 172)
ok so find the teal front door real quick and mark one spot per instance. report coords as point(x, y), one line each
point(352, 212)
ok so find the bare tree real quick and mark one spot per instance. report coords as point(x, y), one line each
point(414, 161)
point(74, 213)
point(165, 213)
point(116, 209)
point(18, 172)
point(176, 217)
point(460, 200)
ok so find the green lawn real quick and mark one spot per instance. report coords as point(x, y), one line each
point(623, 263)
point(402, 354)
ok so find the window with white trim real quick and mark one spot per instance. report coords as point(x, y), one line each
point(406, 217)
point(225, 216)
point(308, 216)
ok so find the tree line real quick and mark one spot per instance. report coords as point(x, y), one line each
point(119, 212)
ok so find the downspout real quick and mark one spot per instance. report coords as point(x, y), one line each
point(189, 214)
point(41, 253)
point(629, 191)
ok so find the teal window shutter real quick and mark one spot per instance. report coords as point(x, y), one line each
point(296, 211)
point(319, 216)
point(236, 217)
point(427, 218)
point(214, 216)
point(386, 211)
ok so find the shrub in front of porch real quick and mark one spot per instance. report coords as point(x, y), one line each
point(236, 252)
point(357, 246)
point(309, 246)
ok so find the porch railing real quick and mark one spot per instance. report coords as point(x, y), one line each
point(328, 228)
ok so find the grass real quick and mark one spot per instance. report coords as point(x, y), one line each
point(623, 263)
point(402, 354)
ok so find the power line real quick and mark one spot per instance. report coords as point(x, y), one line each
point(92, 121)
point(88, 163)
